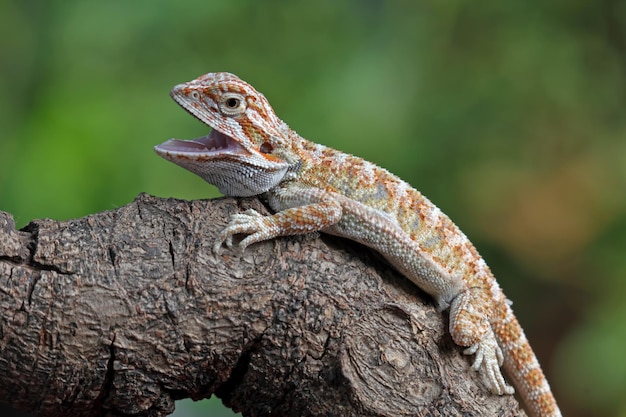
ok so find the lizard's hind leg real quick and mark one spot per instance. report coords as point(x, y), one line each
point(470, 326)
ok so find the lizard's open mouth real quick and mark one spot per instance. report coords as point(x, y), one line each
point(214, 143)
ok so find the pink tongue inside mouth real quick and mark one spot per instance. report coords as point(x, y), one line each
point(213, 142)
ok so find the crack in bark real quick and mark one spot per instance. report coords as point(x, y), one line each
point(112, 255)
point(172, 254)
point(238, 372)
point(15, 260)
point(107, 384)
point(170, 308)
point(33, 229)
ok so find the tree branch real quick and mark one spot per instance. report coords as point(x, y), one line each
point(124, 312)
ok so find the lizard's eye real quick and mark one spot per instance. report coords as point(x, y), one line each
point(232, 104)
point(195, 95)
point(266, 147)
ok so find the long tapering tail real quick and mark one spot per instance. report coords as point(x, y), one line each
point(522, 367)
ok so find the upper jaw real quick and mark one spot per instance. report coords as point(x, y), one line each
point(205, 147)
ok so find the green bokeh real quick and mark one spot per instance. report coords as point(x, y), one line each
point(509, 115)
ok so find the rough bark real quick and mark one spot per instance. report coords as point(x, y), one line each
point(124, 312)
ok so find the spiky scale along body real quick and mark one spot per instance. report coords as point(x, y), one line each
point(315, 188)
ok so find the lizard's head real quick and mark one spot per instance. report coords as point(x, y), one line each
point(245, 153)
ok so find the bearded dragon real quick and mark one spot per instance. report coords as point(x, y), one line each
point(311, 187)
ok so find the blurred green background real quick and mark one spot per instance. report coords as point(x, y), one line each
point(508, 115)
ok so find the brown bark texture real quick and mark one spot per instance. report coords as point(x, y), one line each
point(123, 312)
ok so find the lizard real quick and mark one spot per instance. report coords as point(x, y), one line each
point(311, 187)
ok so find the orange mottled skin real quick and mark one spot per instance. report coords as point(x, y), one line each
point(315, 188)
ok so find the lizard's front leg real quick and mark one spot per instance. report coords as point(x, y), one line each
point(292, 221)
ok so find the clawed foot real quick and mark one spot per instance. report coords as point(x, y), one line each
point(488, 361)
point(250, 222)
